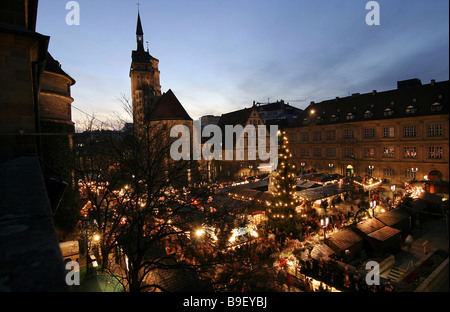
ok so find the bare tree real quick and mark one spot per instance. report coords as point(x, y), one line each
point(150, 221)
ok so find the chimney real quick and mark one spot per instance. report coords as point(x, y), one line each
point(433, 82)
point(312, 103)
point(374, 92)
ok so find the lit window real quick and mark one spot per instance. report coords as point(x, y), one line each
point(411, 110)
point(388, 152)
point(350, 116)
point(410, 152)
point(368, 114)
point(369, 152)
point(436, 107)
point(388, 112)
point(388, 132)
point(410, 174)
point(435, 152)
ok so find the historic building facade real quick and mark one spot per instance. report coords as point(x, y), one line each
point(398, 135)
point(242, 159)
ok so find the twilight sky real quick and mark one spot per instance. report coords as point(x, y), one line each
point(218, 56)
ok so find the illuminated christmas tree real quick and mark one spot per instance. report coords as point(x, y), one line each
point(281, 209)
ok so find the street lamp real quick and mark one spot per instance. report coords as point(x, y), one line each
point(324, 223)
point(303, 166)
point(373, 205)
point(331, 167)
point(414, 170)
point(371, 170)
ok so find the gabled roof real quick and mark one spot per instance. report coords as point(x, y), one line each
point(345, 239)
point(370, 225)
point(167, 107)
point(393, 217)
point(372, 106)
point(384, 233)
point(239, 117)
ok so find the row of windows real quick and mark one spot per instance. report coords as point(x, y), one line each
point(411, 109)
point(408, 173)
point(433, 130)
point(434, 152)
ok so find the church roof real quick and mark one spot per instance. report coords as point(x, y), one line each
point(168, 107)
point(140, 55)
point(53, 66)
point(139, 30)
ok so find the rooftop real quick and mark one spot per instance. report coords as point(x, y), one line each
point(408, 100)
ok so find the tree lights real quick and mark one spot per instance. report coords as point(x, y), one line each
point(282, 213)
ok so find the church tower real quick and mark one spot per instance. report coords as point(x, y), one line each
point(144, 74)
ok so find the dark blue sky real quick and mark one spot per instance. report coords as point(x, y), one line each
point(220, 55)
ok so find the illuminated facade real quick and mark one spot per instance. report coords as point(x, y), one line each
point(397, 135)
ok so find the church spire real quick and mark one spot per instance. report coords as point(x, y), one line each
point(139, 34)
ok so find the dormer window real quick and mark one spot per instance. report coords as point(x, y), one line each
point(334, 118)
point(436, 107)
point(319, 120)
point(368, 114)
point(306, 121)
point(350, 116)
point(411, 109)
point(388, 112)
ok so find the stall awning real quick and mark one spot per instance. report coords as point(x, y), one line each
point(370, 226)
point(323, 191)
point(384, 233)
point(320, 251)
point(393, 217)
point(345, 239)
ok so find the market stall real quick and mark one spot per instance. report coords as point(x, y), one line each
point(385, 240)
point(398, 219)
point(345, 244)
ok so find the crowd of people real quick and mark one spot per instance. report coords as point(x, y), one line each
point(309, 275)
